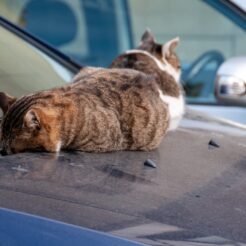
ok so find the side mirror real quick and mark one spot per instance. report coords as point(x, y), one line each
point(230, 84)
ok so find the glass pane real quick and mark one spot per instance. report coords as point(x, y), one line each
point(95, 32)
point(92, 32)
point(206, 36)
point(25, 69)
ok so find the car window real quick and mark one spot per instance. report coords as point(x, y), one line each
point(207, 37)
point(95, 32)
point(23, 68)
point(92, 32)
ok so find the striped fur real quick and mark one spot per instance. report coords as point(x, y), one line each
point(104, 110)
point(163, 64)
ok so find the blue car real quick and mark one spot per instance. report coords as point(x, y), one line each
point(195, 192)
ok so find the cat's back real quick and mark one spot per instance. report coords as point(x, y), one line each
point(116, 82)
point(99, 84)
point(133, 98)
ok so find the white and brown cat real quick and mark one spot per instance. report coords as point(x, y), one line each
point(162, 62)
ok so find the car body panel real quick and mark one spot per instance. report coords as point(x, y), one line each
point(195, 195)
point(23, 229)
point(227, 113)
point(196, 187)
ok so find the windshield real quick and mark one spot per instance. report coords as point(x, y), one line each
point(25, 69)
point(95, 32)
point(92, 32)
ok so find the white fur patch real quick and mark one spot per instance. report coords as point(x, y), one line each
point(58, 146)
point(176, 106)
point(165, 66)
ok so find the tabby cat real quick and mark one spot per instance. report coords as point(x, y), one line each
point(103, 110)
point(163, 64)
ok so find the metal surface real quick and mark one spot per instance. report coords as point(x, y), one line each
point(22, 229)
point(235, 66)
point(230, 85)
point(228, 113)
point(195, 192)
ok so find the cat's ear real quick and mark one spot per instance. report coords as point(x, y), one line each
point(147, 37)
point(32, 120)
point(168, 48)
point(147, 41)
point(6, 101)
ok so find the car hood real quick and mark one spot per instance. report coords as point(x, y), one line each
point(50, 232)
point(196, 194)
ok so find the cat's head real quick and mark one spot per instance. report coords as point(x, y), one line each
point(165, 53)
point(27, 129)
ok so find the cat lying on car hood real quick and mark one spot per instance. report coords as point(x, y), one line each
point(103, 110)
point(107, 110)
